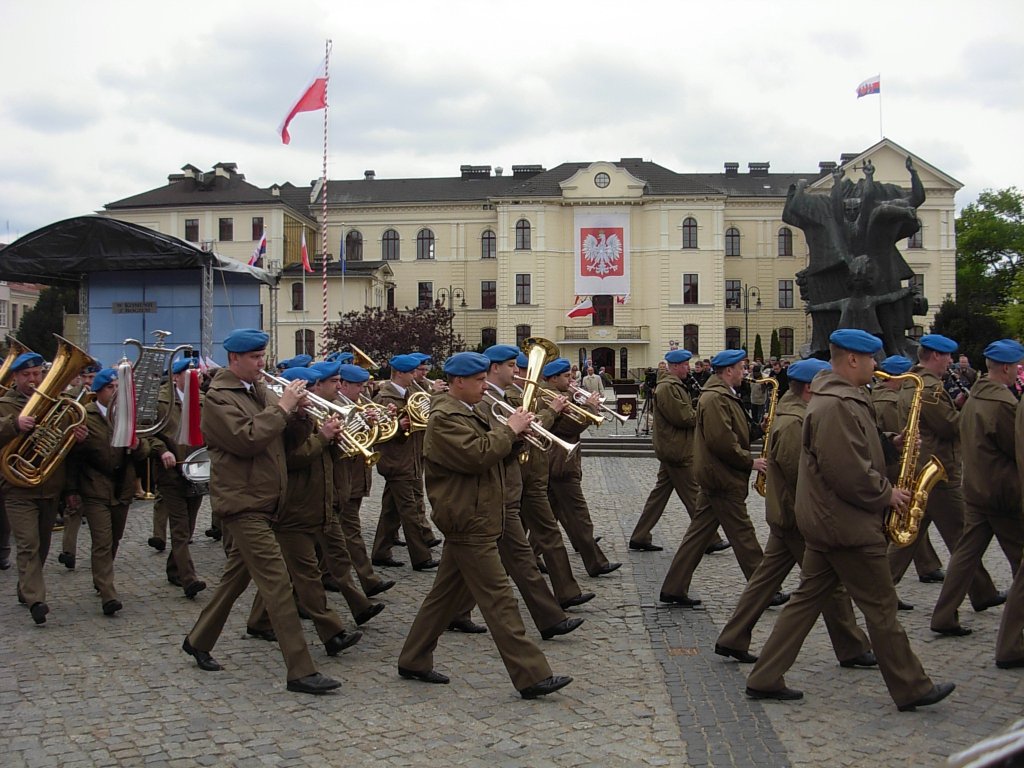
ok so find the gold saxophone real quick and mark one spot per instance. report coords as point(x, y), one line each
point(903, 525)
point(761, 481)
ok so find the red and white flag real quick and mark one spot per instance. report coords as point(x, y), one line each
point(259, 251)
point(584, 308)
point(305, 253)
point(313, 97)
point(870, 86)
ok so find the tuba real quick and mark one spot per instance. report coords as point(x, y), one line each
point(902, 526)
point(31, 457)
point(148, 373)
point(14, 349)
point(761, 481)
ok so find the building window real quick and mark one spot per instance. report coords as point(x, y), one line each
point(732, 242)
point(425, 245)
point(785, 241)
point(3, 313)
point(604, 310)
point(786, 341)
point(305, 342)
point(523, 292)
point(488, 294)
point(488, 337)
point(691, 338)
point(389, 249)
point(425, 295)
point(523, 332)
point(298, 297)
point(522, 235)
point(785, 294)
point(732, 338)
point(916, 332)
point(354, 246)
point(917, 282)
point(391, 297)
point(257, 227)
point(623, 362)
point(226, 230)
point(732, 294)
point(192, 230)
point(916, 240)
point(689, 232)
point(14, 316)
point(690, 295)
point(488, 245)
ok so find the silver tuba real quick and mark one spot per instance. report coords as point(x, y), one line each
point(152, 373)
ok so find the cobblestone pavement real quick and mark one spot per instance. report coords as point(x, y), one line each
point(85, 690)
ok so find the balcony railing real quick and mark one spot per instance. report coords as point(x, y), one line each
point(604, 333)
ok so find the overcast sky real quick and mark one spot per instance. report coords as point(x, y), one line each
point(102, 100)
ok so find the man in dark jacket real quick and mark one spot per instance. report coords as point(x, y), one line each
point(1010, 641)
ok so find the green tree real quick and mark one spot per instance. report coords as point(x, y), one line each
point(46, 318)
point(758, 351)
point(970, 325)
point(775, 347)
point(990, 247)
point(1011, 315)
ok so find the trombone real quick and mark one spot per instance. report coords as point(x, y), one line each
point(536, 435)
point(581, 395)
point(572, 409)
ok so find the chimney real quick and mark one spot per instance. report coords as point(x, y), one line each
point(369, 175)
point(526, 171)
point(498, 170)
point(758, 169)
point(732, 169)
point(826, 167)
point(475, 171)
point(848, 157)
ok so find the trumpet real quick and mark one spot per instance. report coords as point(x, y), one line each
point(581, 395)
point(536, 435)
point(573, 410)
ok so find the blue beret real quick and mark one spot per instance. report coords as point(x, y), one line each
point(244, 340)
point(727, 357)
point(181, 364)
point(421, 357)
point(466, 364)
point(26, 360)
point(104, 377)
point(404, 363)
point(501, 353)
point(353, 373)
point(325, 370)
point(856, 340)
point(805, 370)
point(523, 361)
point(895, 365)
point(339, 357)
point(93, 367)
point(332, 358)
point(300, 374)
point(1005, 351)
point(299, 361)
point(556, 367)
point(678, 356)
point(938, 343)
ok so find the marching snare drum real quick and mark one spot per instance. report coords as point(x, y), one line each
point(196, 471)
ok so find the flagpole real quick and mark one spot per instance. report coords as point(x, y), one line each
point(881, 134)
point(323, 207)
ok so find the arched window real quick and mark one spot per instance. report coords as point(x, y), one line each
point(424, 245)
point(488, 337)
point(522, 235)
point(691, 338)
point(732, 338)
point(916, 240)
point(523, 332)
point(389, 246)
point(785, 241)
point(488, 245)
point(305, 342)
point(916, 332)
point(689, 232)
point(786, 341)
point(354, 246)
point(298, 298)
point(732, 242)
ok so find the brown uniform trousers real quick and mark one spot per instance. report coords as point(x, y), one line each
point(72, 526)
point(347, 506)
point(1010, 640)
point(398, 510)
point(106, 527)
point(683, 481)
point(31, 523)
point(181, 511)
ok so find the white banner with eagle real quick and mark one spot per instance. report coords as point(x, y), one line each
point(601, 254)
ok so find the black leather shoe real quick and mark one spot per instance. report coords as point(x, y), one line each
point(111, 607)
point(194, 589)
point(743, 657)
point(607, 568)
point(384, 586)
point(435, 542)
point(424, 677)
point(903, 606)
point(398, 542)
point(158, 544)
point(689, 602)
point(956, 631)
point(204, 660)
point(638, 547)
point(341, 641)
point(1010, 664)
point(427, 566)
point(5, 563)
point(174, 580)
point(781, 598)
point(934, 696)
point(542, 568)
point(866, 659)
point(999, 599)
point(331, 584)
point(315, 683)
point(213, 533)
point(67, 560)
point(563, 627)
point(262, 634)
point(580, 599)
point(387, 562)
point(719, 547)
point(933, 577)
point(597, 539)
point(369, 613)
point(39, 611)
point(467, 626)
point(783, 694)
point(545, 686)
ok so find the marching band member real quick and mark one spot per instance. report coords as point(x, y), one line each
point(463, 469)
point(244, 429)
point(1010, 640)
point(73, 516)
point(420, 381)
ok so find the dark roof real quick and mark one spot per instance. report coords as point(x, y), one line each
point(295, 197)
point(659, 180)
point(365, 191)
point(751, 185)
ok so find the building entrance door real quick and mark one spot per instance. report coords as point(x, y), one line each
point(604, 357)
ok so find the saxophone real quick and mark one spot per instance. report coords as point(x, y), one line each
point(761, 480)
point(902, 526)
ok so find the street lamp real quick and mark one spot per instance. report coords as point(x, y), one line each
point(446, 297)
point(748, 292)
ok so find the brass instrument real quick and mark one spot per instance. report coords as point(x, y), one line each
point(539, 352)
point(153, 375)
point(581, 395)
point(536, 435)
point(761, 480)
point(362, 359)
point(32, 457)
point(572, 410)
point(417, 408)
point(903, 526)
point(387, 425)
point(14, 350)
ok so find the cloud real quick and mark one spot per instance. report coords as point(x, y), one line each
point(49, 116)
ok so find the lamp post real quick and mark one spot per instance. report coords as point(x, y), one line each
point(446, 297)
point(748, 292)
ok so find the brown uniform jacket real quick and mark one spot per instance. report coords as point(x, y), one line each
point(167, 440)
point(309, 502)
point(722, 442)
point(990, 463)
point(842, 492)
point(10, 406)
point(784, 462)
point(559, 464)
point(886, 403)
point(535, 471)
point(104, 472)
point(940, 423)
point(397, 455)
point(462, 467)
point(510, 464)
point(674, 422)
point(245, 437)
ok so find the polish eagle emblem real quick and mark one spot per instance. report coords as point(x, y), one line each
point(602, 253)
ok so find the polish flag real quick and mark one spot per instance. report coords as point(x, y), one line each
point(584, 308)
point(305, 253)
point(259, 251)
point(870, 86)
point(314, 97)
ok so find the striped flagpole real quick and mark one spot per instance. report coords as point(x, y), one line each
point(323, 207)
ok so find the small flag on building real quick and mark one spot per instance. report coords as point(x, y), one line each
point(259, 251)
point(622, 299)
point(305, 253)
point(583, 308)
point(870, 86)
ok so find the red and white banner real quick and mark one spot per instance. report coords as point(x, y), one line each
point(305, 253)
point(314, 97)
point(601, 254)
point(870, 86)
point(583, 308)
